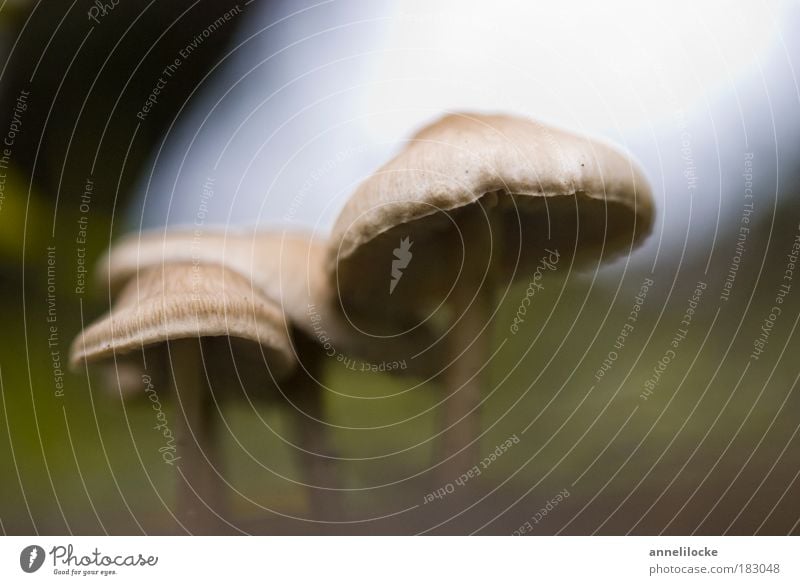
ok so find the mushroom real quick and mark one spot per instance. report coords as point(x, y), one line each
point(288, 269)
point(193, 319)
point(471, 204)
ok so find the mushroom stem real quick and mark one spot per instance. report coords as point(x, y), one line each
point(464, 379)
point(200, 489)
point(314, 438)
point(319, 472)
point(470, 341)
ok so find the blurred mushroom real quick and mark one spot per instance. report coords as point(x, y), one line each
point(183, 324)
point(473, 203)
point(288, 269)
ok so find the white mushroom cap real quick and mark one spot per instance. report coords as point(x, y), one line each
point(549, 189)
point(185, 301)
point(282, 266)
point(288, 269)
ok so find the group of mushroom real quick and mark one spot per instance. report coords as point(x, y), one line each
point(414, 271)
